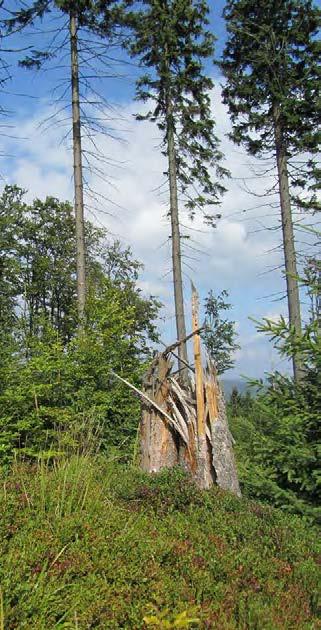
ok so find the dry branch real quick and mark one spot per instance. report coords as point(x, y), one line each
point(143, 396)
point(177, 343)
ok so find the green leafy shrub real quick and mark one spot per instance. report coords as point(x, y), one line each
point(52, 380)
point(61, 387)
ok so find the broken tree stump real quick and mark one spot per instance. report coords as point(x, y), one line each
point(167, 442)
point(186, 423)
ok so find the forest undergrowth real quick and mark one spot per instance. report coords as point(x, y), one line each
point(90, 542)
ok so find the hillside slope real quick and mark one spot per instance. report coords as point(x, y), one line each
point(92, 544)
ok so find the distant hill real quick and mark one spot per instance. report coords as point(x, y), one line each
point(229, 384)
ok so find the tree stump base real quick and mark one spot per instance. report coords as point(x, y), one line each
point(171, 431)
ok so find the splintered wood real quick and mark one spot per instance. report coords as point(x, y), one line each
point(186, 423)
point(167, 442)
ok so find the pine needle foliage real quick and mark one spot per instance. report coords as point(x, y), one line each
point(272, 58)
point(278, 438)
point(96, 16)
point(172, 41)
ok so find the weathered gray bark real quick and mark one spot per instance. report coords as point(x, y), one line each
point(176, 244)
point(292, 285)
point(222, 450)
point(78, 177)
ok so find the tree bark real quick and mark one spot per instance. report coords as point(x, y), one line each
point(292, 285)
point(318, 303)
point(204, 460)
point(176, 245)
point(78, 175)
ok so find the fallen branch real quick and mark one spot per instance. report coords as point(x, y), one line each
point(144, 397)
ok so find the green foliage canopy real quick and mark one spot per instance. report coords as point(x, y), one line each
point(272, 58)
point(172, 40)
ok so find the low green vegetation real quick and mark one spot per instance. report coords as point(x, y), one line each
point(278, 433)
point(89, 541)
point(94, 544)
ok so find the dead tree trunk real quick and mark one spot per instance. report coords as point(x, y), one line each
point(288, 238)
point(78, 174)
point(187, 424)
point(176, 242)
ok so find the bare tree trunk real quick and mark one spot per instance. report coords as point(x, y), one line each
point(318, 302)
point(176, 245)
point(78, 179)
point(288, 239)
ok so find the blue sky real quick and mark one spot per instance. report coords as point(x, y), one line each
point(241, 255)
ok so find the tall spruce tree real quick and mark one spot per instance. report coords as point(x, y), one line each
point(172, 40)
point(271, 64)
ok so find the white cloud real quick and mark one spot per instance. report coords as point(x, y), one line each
point(235, 256)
